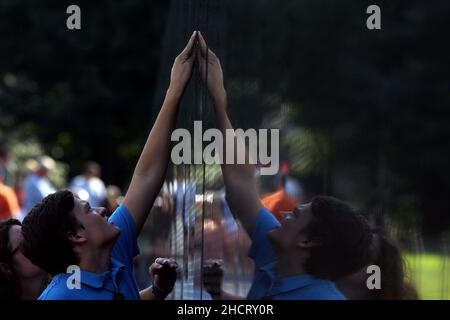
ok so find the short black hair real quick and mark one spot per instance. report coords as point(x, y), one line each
point(344, 238)
point(45, 231)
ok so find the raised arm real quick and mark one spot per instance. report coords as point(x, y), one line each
point(150, 170)
point(240, 183)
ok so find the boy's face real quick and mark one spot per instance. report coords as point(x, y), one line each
point(292, 233)
point(96, 229)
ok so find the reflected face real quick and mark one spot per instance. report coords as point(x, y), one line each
point(292, 229)
point(95, 227)
point(23, 267)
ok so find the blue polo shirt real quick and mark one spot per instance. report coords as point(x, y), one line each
point(103, 286)
point(268, 284)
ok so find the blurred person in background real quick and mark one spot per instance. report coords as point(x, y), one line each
point(19, 278)
point(9, 205)
point(37, 185)
point(91, 182)
point(8, 168)
point(114, 198)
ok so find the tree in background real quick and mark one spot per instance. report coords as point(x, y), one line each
point(376, 100)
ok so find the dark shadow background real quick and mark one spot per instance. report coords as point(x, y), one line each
point(364, 115)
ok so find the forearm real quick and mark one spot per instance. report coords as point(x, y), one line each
point(239, 179)
point(155, 155)
point(231, 169)
point(150, 170)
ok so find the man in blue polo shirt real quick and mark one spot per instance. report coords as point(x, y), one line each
point(288, 285)
point(317, 243)
point(118, 282)
point(63, 231)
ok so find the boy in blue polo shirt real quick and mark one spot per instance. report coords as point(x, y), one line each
point(63, 231)
point(321, 241)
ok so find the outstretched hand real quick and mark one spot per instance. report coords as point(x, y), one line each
point(212, 277)
point(182, 66)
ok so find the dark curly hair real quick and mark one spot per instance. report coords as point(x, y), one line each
point(344, 238)
point(395, 284)
point(10, 288)
point(45, 230)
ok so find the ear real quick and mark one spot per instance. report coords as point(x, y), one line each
point(76, 238)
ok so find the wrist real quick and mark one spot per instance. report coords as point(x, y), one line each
point(216, 294)
point(175, 91)
point(158, 293)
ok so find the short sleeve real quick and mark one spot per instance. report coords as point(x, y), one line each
point(261, 250)
point(126, 247)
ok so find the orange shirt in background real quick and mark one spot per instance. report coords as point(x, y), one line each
point(277, 202)
point(9, 205)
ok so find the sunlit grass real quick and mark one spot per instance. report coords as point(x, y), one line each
point(430, 274)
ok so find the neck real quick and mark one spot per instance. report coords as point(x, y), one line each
point(33, 287)
point(96, 260)
point(290, 265)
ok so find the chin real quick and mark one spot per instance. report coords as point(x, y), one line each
point(116, 232)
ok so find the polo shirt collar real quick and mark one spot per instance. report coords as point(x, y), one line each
point(285, 284)
point(96, 280)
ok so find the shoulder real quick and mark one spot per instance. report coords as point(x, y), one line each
point(78, 179)
point(96, 181)
point(30, 179)
point(9, 192)
point(57, 290)
point(3, 194)
point(334, 292)
point(121, 215)
point(261, 250)
point(266, 221)
point(325, 290)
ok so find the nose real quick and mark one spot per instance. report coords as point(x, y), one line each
point(101, 211)
point(286, 214)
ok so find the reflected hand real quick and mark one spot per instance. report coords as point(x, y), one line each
point(210, 63)
point(212, 277)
